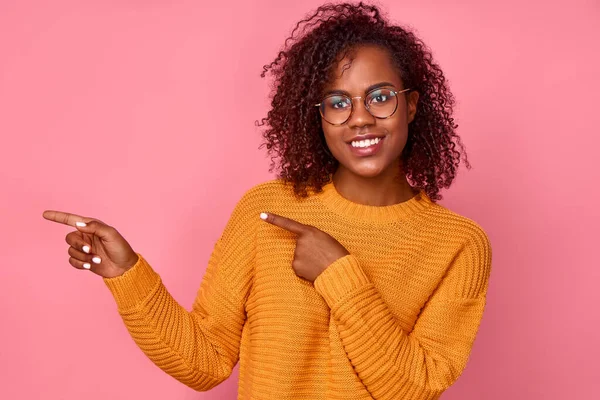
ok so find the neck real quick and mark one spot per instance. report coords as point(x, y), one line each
point(382, 190)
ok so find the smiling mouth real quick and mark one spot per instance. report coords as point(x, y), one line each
point(365, 142)
point(366, 147)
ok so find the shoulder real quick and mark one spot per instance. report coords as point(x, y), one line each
point(459, 227)
point(266, 192)
point(471, 251)
point(262, 196)
point(244, 218)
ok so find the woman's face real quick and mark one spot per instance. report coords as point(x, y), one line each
point(369, 67)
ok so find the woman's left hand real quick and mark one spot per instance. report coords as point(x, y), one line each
point(315, 249)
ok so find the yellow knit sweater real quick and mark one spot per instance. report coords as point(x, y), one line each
point(395, 319)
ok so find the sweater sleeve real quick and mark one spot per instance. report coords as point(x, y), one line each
point(421, 364)
point(201, 347)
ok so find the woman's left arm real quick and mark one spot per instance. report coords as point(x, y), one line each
point(390, 362)
point(423, 363)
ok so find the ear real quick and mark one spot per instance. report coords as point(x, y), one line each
point(412, 100)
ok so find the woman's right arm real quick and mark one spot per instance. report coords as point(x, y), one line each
point(198, 348)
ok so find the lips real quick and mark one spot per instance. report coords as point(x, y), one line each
point(369, 150)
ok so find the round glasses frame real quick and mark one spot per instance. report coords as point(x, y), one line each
point(396, 93)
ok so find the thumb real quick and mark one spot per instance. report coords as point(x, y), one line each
point(97, 228)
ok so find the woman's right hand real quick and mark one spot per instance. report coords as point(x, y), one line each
point(95, 246)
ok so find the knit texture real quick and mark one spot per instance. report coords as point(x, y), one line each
point(395, 319)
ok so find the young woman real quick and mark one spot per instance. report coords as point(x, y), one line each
point(343, 278)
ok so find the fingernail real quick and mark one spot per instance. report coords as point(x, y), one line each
point(263, 215)
point(96, 260)
point(87, 266)
point(82, 224)
point(86, 249)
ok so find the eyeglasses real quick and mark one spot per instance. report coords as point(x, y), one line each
point(381, 103)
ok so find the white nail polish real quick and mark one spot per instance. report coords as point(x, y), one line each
point(87, 266)
point(96, 260)
point(82, 224)
point(86, 249)
point(263, 215)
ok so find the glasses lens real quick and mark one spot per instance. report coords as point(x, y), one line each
point(382, 102)
point(336, 109)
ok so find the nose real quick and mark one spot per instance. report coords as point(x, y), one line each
point(360, 115)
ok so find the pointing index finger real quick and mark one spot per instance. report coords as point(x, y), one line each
point(64, 218)
point(283, 222)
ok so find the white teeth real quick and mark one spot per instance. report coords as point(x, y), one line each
point(365, 143)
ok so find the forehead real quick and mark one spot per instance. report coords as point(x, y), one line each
point(363, 67)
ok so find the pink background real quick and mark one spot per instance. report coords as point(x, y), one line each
point(112, 109)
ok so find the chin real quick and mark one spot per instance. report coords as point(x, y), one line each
point(367, 172)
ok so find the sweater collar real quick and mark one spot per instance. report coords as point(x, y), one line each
point(379, 214)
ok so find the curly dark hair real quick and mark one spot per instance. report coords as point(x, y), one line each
point(294, 137)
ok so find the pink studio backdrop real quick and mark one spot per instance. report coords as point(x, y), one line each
point(113, 109)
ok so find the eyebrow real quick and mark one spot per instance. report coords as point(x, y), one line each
point(372, 87)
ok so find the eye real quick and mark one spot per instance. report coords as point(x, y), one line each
point(380, 96)
point(338, 102)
